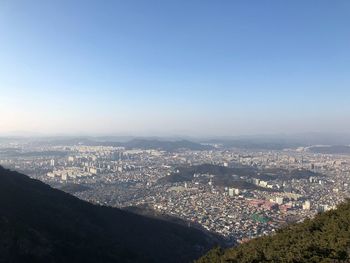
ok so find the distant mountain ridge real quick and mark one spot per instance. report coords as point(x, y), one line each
point(166, 145)
point(137, 143)
point(42, 224)
point(331, 149)
point(281, 141)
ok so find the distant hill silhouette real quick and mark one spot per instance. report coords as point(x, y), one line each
point(282, 141)
point(139, 143)
point(333, 149)
point(166, 145)
point(325, 238)
point(223, 175)
point(42, 224)
point(230, 177)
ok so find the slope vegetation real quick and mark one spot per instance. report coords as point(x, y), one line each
point(326, 238)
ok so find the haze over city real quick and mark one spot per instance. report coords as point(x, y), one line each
point(193, 68)
point(189, 131)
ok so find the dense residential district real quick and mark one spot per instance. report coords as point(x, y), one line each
point(261, 190)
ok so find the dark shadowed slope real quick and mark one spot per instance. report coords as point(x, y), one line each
point(325, 238)
point(42, 224)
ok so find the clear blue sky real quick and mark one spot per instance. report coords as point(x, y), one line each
point(174, 67)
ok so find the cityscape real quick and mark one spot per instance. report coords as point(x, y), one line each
point(269, 188)
point(174, 131)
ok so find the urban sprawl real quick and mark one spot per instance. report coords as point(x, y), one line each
point(120, 177)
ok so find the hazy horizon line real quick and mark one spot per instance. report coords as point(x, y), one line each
point(164, 135)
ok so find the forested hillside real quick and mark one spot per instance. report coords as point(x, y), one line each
point(326, 238)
